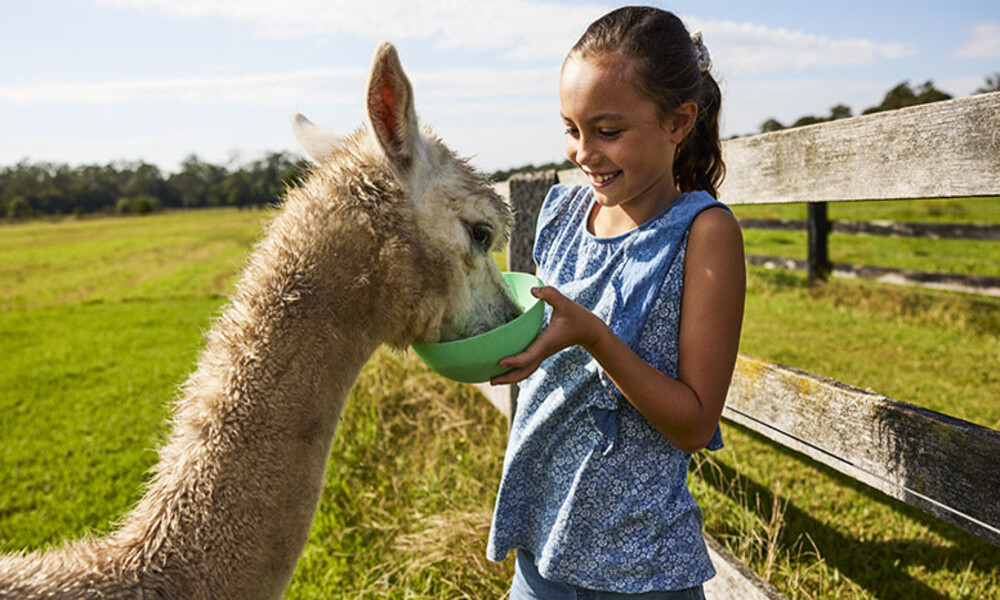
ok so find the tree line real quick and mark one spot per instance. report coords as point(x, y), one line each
point(30, 189)
point(901, 96)
point(36, 189)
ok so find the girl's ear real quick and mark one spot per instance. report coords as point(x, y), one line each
point(682, 121)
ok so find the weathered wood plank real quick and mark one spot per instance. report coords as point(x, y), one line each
point(941, 150)
point(733, 579)
point(944, 466)
point(526, 195)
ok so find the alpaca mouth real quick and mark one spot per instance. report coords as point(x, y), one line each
point(484, 320)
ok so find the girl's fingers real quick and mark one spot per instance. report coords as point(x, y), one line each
point(547, 343)
point(548, 294)
point(514, 376)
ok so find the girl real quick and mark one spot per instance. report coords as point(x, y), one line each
point(645, 303)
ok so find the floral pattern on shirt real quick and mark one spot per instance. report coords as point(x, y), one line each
point(589, 486)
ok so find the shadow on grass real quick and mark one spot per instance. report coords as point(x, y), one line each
point(878, 566)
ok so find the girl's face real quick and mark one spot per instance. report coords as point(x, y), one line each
point(615, 135)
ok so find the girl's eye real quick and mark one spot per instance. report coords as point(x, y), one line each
point(609, 133)
point(572, 131)
point(481, 236)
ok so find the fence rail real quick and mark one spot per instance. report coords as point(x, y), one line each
point(933, 231)
point(928, 460)
point(820, 266)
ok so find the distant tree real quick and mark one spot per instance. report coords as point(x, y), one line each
point(771, 125)
point(237, 189)
point(903, 96)
point(508, 173)
point(807, 120)
point(898, 97)
point(196, 184)
point(144, 179)
point(19, 208)
point(992, 84)
point(141, 204)
point(841, 111)
point(927, 93)
point(139, 187)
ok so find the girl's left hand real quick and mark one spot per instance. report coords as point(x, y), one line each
point(571, 324)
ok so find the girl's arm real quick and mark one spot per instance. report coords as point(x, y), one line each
point(685, 410)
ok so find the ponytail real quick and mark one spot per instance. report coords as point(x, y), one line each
point(698, 164)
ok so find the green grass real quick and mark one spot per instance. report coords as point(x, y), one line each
point(100, 322)
point(166, 256)
point(409, 492)
point(83, 397)
point(811, 531)
point(936, 349)
point(965, 257)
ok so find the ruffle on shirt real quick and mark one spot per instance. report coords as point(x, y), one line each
point(604, 413)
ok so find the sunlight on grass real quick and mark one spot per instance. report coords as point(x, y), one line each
point(101, 321)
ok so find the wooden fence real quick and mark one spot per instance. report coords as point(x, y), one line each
point(819, 265)
point(941, 465)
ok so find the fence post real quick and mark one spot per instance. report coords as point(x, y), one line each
point(526, 195)
point(818, 224)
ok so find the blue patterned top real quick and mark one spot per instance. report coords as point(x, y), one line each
point(589, 486)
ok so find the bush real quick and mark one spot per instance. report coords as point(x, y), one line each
point(18, 208)
point(138, 205)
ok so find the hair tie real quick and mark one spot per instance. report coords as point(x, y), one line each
point(704, 58)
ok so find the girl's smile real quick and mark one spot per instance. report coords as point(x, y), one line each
point(599, 181)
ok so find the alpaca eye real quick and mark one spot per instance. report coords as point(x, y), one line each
point(482, 236)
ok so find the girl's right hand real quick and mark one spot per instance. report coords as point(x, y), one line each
point(570, 324)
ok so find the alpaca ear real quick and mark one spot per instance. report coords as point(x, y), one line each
point(315, 141)
point(390, 107)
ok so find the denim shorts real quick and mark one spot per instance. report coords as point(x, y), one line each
point(528, 584)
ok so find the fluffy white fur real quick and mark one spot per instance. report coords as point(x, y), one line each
point(384, 242)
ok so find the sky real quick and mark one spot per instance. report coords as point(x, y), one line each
point(97, 81)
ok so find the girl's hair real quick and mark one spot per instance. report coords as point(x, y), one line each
point(665, 62)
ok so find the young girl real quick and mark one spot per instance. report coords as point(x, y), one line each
point(646, 280)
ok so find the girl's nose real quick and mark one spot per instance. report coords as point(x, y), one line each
point(586, 153)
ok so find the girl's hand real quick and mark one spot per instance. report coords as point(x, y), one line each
point(571, 324)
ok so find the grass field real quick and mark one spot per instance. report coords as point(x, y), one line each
point(965, 257)
point(100, 322)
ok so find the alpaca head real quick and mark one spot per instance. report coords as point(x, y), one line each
point(448, 285)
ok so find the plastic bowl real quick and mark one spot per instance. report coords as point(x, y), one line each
point(474, 359)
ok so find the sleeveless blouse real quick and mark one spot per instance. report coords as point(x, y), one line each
point(589, 486)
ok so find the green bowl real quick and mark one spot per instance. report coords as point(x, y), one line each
point(474, 359)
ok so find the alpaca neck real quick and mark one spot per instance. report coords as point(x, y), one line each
point(238, 484)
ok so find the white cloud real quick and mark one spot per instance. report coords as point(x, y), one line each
point(275, 89)
point(520, 29)
point(323, 87)
point(742, 47)
point(984, 42)
point(517, 29)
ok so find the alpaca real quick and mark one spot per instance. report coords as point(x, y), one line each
point(387, 240)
